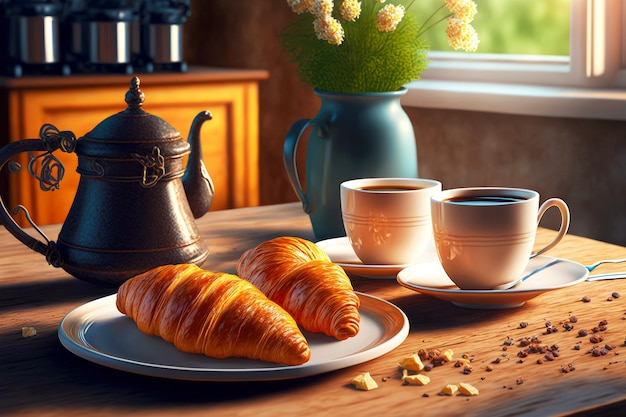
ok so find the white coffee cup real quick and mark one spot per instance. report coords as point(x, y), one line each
point(387, 220)
point(485, 236)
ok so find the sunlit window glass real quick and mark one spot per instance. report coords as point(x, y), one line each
point(533, 27)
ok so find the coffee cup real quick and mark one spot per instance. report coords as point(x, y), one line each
point(485, 236)
point(387, 220)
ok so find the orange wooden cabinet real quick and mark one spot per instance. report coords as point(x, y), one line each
point(79, 102)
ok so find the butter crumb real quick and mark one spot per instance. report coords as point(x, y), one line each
point(28, 331)
point(467, 389)
point(364, 382)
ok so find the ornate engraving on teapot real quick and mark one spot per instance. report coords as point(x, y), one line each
point(153, 167)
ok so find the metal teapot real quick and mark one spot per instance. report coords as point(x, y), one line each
point(136, 202)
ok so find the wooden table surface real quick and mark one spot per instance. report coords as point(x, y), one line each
point(38, 376)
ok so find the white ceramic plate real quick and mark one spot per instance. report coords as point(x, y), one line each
point(340, 252)
point(432, 280)
point(98, 332)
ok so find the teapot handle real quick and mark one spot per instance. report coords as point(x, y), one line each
point(50, 140)
point(289, 155)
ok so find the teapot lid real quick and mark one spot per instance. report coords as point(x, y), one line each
point(132, 130)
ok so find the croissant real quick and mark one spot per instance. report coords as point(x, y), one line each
point(216, 314)
point(299, 276)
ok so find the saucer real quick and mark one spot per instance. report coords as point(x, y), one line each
point(430, 279)
point(340, 251)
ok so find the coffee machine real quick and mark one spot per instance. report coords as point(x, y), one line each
point(162, 34)
point(92, 36)
point(32, 37)
point(127, 35)
point(99, 35)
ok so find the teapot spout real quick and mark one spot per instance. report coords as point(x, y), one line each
point(196, 180)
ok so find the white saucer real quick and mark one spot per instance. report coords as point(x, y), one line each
point(340, 252)
point(431, 279)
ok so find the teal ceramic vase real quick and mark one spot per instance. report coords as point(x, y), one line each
point(352, 136)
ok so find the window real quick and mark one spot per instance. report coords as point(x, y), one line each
point(509, 26)
point(589, 82)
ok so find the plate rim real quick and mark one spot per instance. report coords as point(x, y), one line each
point(84, 316)
point(359, 268)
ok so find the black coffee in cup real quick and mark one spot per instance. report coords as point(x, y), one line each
point(388, 188)
point(485, 200)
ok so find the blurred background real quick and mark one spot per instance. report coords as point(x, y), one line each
point(581, 160)
point(510, 26)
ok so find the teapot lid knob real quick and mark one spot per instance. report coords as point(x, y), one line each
point(134, 96)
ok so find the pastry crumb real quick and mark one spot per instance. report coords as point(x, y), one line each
point(29, 331)
point(467, 389)
point(417, 379)
point(449, 389)
point(412, 363)
point(364, 382)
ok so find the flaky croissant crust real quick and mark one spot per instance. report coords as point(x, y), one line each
point(298, 275)
point(215, 314)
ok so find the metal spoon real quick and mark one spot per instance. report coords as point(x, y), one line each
point(615, 275)
point(605, 261)
point(510, 285)
point(610, 275)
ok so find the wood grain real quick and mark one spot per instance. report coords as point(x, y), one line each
point(39, 377)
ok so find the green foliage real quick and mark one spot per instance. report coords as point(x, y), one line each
point(537, 27)
point(366, 61)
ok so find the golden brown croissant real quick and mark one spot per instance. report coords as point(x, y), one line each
point(298, 275)
point(216, 314)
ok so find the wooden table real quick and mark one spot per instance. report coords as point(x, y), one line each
point(39, 377)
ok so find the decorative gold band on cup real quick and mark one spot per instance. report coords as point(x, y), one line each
point(510, 239)
point(393, 222)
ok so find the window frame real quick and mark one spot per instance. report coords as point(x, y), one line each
point(590, 83)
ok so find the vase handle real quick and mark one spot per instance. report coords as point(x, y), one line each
point(289, 156)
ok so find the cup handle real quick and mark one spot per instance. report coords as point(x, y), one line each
point(560, 204)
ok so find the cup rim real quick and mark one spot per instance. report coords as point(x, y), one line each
point(353, 184)
point(525, 193)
